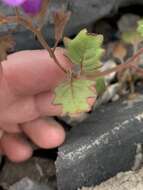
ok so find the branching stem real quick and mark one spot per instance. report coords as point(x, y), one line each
point(28, 24)
point(119, 68)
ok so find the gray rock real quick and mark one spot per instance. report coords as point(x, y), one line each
point(83, 14)
point(41, 171)
point(27, 184)
point(101, 146)
point(131, 180)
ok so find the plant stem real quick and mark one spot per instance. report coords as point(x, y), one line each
point(28, 24)
point(119, 68)
point(45, 45)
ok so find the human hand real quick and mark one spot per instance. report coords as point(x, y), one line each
point(26, 95)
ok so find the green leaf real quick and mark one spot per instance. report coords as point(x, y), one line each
point(73, 96)
point(131, 37)
point(140, 27)
point(85, 50)
point(100, 85)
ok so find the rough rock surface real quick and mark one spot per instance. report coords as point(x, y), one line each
point(101, 146)
point(123, 181)
point(36, 173)
point(83, 14)
point(28, 184)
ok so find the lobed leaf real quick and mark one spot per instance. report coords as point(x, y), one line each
point(131, 37)
point(100, 85)
point(85, 50)
point(140, 27)
point(73, 96)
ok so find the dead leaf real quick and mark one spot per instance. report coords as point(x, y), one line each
point(3, 19)
point(119, 51)
point(40, 17)
point(60, 20)
point(6, 43)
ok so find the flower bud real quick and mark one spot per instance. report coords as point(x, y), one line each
point(32, 7)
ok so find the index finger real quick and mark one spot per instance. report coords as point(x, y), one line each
point(34, 71)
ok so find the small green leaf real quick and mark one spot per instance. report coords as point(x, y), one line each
point(131, 37)
point(85, 50)
point(100, 85)
point(140, 27)
point(73, 96)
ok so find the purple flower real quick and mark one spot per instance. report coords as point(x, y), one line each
point(13, 3)
point(32, 7)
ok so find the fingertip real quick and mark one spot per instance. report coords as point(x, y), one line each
point(15, 148)
point(57, 136)
point(45, 134)
point(52, 140)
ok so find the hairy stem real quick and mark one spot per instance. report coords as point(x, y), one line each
point(119, 68)
point(28, 24)
point(45, 45)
